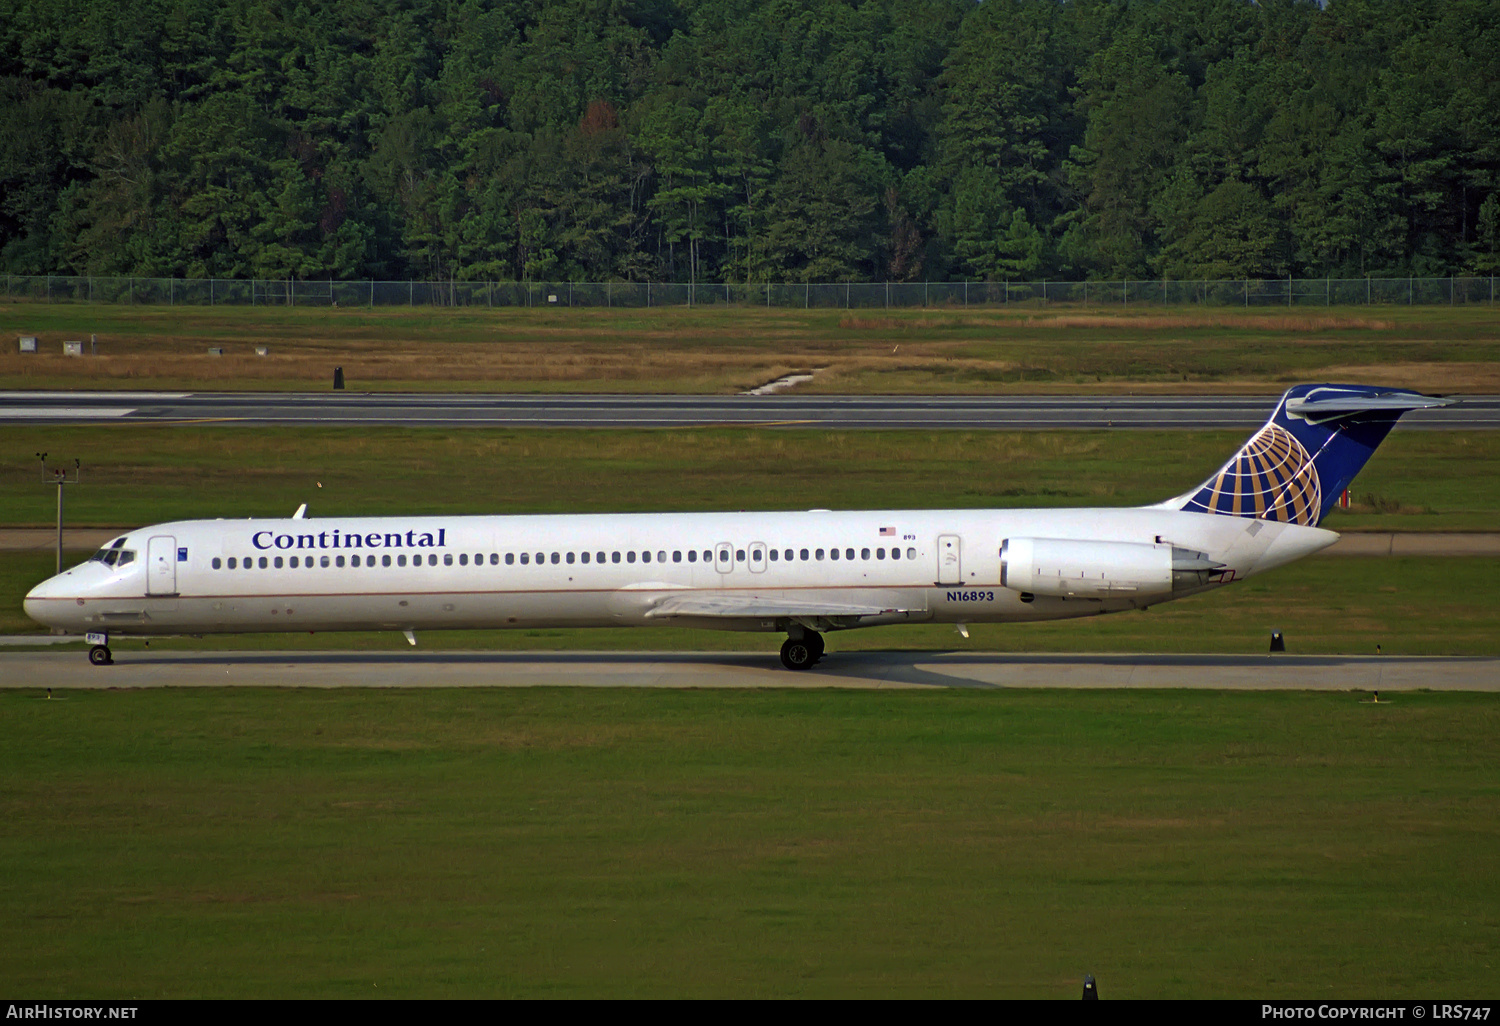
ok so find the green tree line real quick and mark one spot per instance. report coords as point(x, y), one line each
point(749, 140)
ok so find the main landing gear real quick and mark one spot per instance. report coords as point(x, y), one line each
point(100, 655)
point(801, 653)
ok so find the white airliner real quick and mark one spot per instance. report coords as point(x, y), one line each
point(801, 574)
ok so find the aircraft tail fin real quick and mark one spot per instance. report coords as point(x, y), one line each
point(1295, 467)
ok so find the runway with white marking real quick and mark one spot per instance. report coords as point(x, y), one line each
point(138, 668)
point(1008, 413)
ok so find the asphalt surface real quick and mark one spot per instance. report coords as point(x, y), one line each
point(1010, 413)
point(138, 668)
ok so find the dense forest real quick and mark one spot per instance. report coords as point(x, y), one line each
point(749, 140)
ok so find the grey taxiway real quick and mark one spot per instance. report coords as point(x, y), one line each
point(1009, 413)
point(142, 668)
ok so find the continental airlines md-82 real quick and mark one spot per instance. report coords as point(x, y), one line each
point(801, 574)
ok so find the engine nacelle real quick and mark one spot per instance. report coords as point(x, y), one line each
point(1097, 569)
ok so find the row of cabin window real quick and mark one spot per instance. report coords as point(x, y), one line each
point(740, 555)
point(267, 562)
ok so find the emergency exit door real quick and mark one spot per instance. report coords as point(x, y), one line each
point(161, 565)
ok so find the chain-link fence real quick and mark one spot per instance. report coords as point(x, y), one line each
point(1301, 292)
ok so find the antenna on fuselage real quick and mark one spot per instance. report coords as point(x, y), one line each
point(301, 513)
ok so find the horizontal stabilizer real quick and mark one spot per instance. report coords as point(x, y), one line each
point(1331, 405)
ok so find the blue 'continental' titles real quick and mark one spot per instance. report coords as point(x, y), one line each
point(334, 540)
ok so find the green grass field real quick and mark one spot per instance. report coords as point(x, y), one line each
point(1416, 481)
point(727, 349)
point(134, 475)
point(567, 843)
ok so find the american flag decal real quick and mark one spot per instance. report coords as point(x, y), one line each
point(887, 532)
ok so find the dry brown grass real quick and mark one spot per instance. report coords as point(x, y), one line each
point(462, 365)
point(664, 353)
point(734, 349)
point(1442, 378)
point(922, 366)
point(1023, 318)
point(1291, 323)
point(1367, 502)
point(919, 323)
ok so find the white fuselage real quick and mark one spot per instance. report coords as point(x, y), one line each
point(732, 571)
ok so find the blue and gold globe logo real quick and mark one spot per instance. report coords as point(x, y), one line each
point(1271, 478)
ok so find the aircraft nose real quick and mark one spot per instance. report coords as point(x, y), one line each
point(43, 600)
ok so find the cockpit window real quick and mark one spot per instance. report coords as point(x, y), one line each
point(114, 555)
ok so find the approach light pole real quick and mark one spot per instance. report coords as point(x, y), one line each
point(59, 476)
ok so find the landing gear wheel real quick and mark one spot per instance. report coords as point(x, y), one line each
point(100, 655)
point(797, 654)
point(815, 642)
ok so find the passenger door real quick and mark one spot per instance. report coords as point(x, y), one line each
point(161, 565)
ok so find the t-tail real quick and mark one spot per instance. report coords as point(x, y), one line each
point(1296, 467)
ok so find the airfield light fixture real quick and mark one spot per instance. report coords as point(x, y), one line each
point(60, 476)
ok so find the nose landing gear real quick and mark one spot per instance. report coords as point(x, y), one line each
point(99, 655)
point(802, 653)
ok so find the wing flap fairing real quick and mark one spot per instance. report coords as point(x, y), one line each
point(762, 607)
